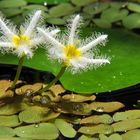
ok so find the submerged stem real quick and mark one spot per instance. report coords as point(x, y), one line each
point(61, 72)
point(20, 64)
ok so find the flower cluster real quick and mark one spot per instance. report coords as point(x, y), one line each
point(72, 52)
point(23, 41)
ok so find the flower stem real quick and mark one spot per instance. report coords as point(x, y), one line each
point(61, 72)
point(20, 64)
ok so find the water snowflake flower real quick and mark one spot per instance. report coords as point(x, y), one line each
point(23, 41)
point(74, 53)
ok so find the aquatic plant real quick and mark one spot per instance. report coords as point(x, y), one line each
point(21, 42)
point(73, 53)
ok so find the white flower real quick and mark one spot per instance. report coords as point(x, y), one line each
point(75, 54)
point(24, 41)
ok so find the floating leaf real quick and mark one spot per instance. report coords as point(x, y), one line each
point(78, 98)
point(117, 5)
point(102, 23)
point(106, 106)
point(115, 76)
point(132, 135)
point(10, 121)
point(96, 129)
point(72, 108)
point(29, 88)
point(115, 136)
point(4, 92)
point(57, 89)
point(95, 8)
point(126, 125)
point(114, 15)
point(96, 119)
point(133, 7)
point(65, 128)
point(12, 4)
point(13, 138)
point(127, 115)
point(84, 137)
point(47, 2)
point(45, 131)
point(13, 108)
point(71, 119)
point(56, 21)
point(37, 114)
point(35, 7)
point(82, 2)
point(6, 131)
point(9, 12)
point(58, 11)
point(132, 21)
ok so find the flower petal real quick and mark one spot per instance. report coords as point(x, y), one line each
point(33, 23)
point(6, 44)
point(93, 43)
point(5, 30)
point(95, 61)
point(24, 50)
point(73, 29)
point(49, 38)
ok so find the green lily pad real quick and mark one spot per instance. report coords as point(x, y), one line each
point(45, 131)
point(132, 135)
point(12, 3)
point(114, 15)
point(82, 2)
point(6, 131)
point(58, 11)
point(122, 47)
point(65, 128)
point(132, 21)
point(96, 129)
point(134, 7)
point(10, 121)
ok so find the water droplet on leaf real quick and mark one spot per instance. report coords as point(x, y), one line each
point(100, 109)
point(45, 3)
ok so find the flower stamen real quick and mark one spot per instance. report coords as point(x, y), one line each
point(19, 40)
point(71, 52)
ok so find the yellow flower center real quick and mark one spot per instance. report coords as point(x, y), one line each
point(71, 52)
point(19, 40)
